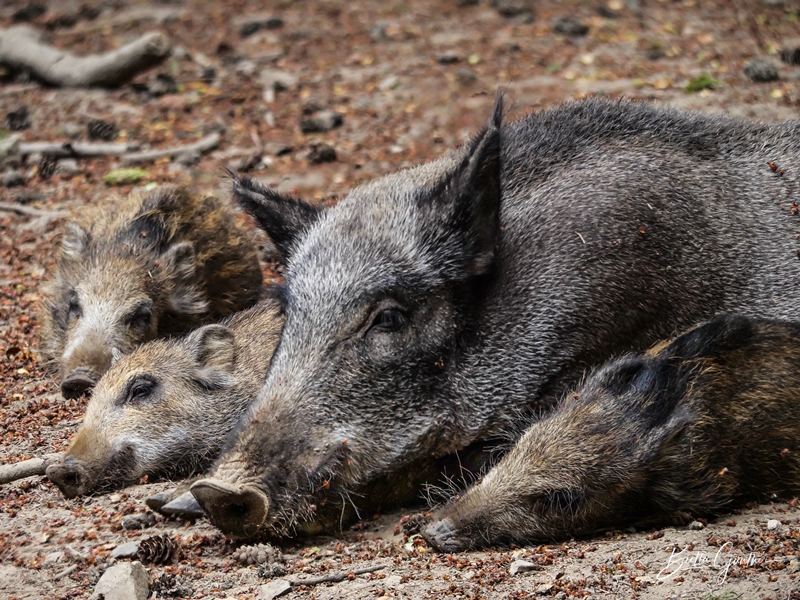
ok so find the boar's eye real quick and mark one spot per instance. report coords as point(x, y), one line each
point(73, 309)
point(141, 317)
point(139, 390)
point(388, 320)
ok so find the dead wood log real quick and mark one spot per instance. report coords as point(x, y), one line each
point(27, 468)
point(22, 49)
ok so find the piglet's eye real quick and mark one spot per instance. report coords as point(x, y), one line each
point(140, 390)
point(388, 320)
point(141, 317)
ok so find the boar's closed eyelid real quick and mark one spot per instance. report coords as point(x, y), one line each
point(138, 390)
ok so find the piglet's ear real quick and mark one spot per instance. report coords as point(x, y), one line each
point(283, 218)
point(178, 268)
point(75, 241)
point(468, 198)
point(214, 349)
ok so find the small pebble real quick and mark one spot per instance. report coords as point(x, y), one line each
point(569, 26)
point(325, 120)
point(321, 153)
point(448, 58)
point(774, 524)
point(127, 550)
point(139, 520)
point(18, 120)
point(13, 178)
point(696, 526)
point(761, 70)
point(123, 581)
point(521, 566)
point(465, 76)
point(274, 589)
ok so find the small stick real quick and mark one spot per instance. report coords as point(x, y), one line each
point(27, 468)
point(335, 577)
point(61, 149)
point(200, 146)
point(64, 573)
point(30, 211)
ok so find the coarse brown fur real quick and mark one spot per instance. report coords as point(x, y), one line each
point(694, 426)
point(141, 267)
point(167, 408)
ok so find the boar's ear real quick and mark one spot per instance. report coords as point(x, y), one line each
point(178, 267)
point(283, 218)
point(468, 199)
point(74, 242)
point(214, 348)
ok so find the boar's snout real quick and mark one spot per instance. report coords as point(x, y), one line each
point(70, 476)
point(238, 511)
point(79, 382)
point(444, 537)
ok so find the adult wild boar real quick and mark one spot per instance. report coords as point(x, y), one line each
point(142, 267)
point(167, 408)
point(429, 307)
point(693, 426)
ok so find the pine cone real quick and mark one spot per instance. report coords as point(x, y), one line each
point(158, 549)
point(102, 130)
point(271, 570)
point(47, 166)
point(168, 585)
point(256, 555)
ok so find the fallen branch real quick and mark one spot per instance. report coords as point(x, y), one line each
point(30, 211)
point(27, 468)
point(22, 49)
point(336, 577)
point(200, 146)
point(75, 149)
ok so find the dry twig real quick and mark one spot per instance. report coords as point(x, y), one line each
point(200, 146)
point(336, 577)
point(27, 468)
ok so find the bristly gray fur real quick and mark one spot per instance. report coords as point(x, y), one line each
point(430, 304)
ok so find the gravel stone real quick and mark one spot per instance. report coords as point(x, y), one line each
point(569, 26)
point(761, 70)
point(123, 581)
point(139, 520)
point(13, 178)
point(323, 121)
point(127, 550)
point(274, 589)
point(521, 566)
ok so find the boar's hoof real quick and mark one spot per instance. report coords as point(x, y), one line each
point(443, 536)
point(184, 506)
point(70, 477)
point(237, 511)
point(77, 384)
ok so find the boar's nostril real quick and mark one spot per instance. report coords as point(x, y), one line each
point(69, 477)
point(77, 384)
point(238, 511)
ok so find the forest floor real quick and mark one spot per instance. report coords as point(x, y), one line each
point(411, 79)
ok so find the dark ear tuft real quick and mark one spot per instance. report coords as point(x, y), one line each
point(496, 120)
point(283, 218)
point(468, 198)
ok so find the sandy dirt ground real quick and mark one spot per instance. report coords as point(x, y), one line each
point(411, 79)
